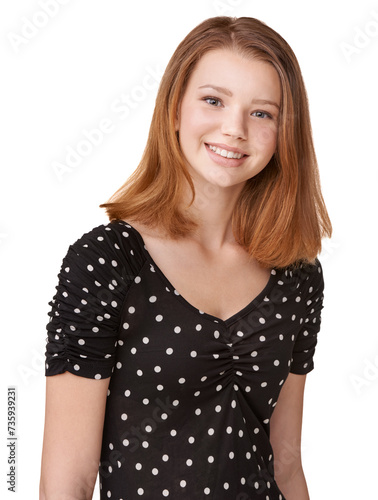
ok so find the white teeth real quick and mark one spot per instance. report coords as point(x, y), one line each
point(225, 153)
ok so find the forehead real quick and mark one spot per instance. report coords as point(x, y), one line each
point(226, 68)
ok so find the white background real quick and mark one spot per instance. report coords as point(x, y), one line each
point(67, 77)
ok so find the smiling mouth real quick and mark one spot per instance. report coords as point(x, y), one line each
point(225, 153)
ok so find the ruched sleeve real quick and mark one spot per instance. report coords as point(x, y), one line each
point(94, 280)
point(304, 347)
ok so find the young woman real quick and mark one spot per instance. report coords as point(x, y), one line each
point(181, 332)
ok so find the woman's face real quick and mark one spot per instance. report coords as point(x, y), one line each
point(228, 118)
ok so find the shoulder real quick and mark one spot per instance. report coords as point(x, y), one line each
point(106, 250)
point(115, 235)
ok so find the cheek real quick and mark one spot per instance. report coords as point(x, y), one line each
point(265, 138)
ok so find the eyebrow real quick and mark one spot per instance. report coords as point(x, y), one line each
point(229, 93)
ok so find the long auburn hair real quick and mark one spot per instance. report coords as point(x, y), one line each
point(280, 216)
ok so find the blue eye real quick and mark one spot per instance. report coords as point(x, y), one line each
point(213, 101)
point(260, 113)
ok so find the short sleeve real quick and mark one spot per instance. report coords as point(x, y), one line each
point(94, 279)
point(304, 347)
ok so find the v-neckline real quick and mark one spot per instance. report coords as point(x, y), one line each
point(228, 321)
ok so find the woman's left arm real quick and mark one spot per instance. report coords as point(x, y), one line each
point(285, 437)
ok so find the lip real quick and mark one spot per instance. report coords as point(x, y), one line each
point(224, 161)
point(228, 148)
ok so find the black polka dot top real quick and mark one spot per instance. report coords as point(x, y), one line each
point(190, 395)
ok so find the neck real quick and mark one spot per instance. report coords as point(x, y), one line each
point(212, 209)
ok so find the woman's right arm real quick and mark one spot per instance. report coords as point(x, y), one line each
point(74, 419)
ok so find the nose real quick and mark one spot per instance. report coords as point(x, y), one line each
point(234, 124)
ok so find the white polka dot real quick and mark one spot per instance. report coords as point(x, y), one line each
point(211, 431)
point(210, 459)
point(177, 329)
point(138, 279)
point(263, 384)
point(140, 491)
point(153, 298)
point(155, 471)
point(262, 321)
point(229, 429)
point(131, 310)
point(95, 329)
point(119, 365)
point(198, 327)
point(207, 491)
point(226, 486)
point(125, 326)
point(138, 466)
point(124, 416)
point(276, 362)
point(89, 267)
point(191, 439)
point(169, 350)
point(145, 444)
point(256, 430)
point(181, 380)
point(262, 338)
point(139, 373)
point(254, 354)
point(145, 340)
point(231, 455)
point(76, 367)
point(97, 376)
point(127, 393)
point(193, 354)
point(114, 263)
point(157, 369)
point(165, 458)
point(216, 334)
point(182, 483)
point(218, 408)
point(165, 493)
point(101, 260)
point(173, 432)
point(189, 462)
point(159, 317)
